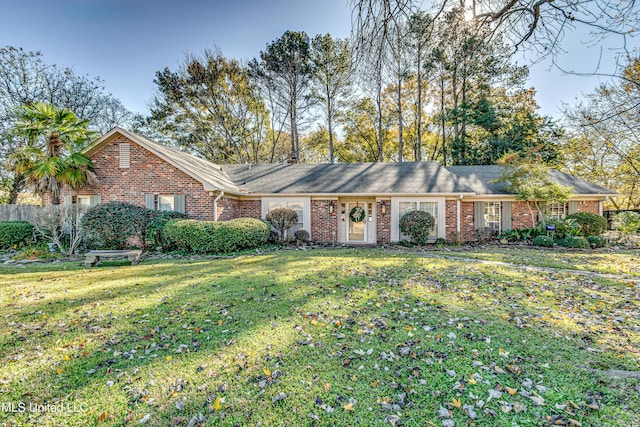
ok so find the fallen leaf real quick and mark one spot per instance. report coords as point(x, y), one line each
point(278, 397)
point(217, 404)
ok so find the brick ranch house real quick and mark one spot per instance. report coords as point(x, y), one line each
point(131, 168)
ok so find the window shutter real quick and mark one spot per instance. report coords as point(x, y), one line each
point(95, 200)
point(506, 216)
point(68, 200)
point(150, 201)
point(125, 155)
point(573, 207)
point(478, 215)
point(179, 203)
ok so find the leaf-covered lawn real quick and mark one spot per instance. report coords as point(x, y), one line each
point(345, 337)
point(608, 261)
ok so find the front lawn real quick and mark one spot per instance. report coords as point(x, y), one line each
point(319, 337)
point(608, 261)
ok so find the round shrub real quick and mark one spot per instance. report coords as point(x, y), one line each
point(440, 242)
point(597, 241)
point(208, 237)
point(110, 225)
point(302, 235)
point(14, 234)
point(575, 242)
point(590, 224)
point(545, 241)
point(282, 219)
point(418, 225)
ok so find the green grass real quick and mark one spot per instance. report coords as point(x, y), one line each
point(623, 262)
point(351, 337)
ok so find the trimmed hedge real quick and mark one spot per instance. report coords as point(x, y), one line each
point(14, 233)
point(574, 242)
point(590, 224)
point(208, 237)
point(157, 220)
point(545, 241)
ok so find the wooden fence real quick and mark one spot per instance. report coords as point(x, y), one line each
point(18, 212)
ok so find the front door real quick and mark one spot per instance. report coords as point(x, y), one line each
point(356, 222)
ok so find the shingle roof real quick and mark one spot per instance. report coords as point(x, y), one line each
point(480, 180)
point(345, 178)
point(404, 178)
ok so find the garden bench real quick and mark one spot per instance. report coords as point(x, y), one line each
point(94, 256)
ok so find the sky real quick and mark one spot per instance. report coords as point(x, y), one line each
point(126, 41)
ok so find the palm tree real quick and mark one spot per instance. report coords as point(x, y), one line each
point(52, 157)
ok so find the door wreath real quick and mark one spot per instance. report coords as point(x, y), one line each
point(357, 214)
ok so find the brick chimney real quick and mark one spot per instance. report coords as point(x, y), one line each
point(293, 159)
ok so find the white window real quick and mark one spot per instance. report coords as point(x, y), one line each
point(166, 203)
point(492, 215)
point(300, 206)
point(84, 200)
point(555, 211)
point(409, 206)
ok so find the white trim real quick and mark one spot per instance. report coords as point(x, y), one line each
point(395, 218)
point(458, 213)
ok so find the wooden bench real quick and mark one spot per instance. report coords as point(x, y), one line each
point(94, 256)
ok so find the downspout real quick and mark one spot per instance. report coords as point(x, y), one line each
point(215, 206)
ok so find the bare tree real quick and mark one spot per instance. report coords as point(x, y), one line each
point(331, 78)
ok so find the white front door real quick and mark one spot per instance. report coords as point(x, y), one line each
point(357, 222)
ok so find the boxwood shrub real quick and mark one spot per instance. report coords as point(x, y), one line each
point(418, 225)
point(545, 241)
point(208, 237)
point(111, 225)
point(597, 241)
point(15, 234)
point(590, 224)
point(574, 242)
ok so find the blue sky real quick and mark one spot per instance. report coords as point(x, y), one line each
point(126, 41)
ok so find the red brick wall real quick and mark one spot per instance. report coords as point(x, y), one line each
point(591, 206)
point(227, 209)
point(383, 222)
point(147, 174)
point(324, 225)
point(249, 209)
point(521, 215)
point(467, 225)
point(451, 216)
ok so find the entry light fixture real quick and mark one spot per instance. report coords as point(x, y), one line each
point(331, 207)
point(383, 207)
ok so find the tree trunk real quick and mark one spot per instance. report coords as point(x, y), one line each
point(442, 122)
point(379, 107)
point(418, 150)
point(399, 100)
